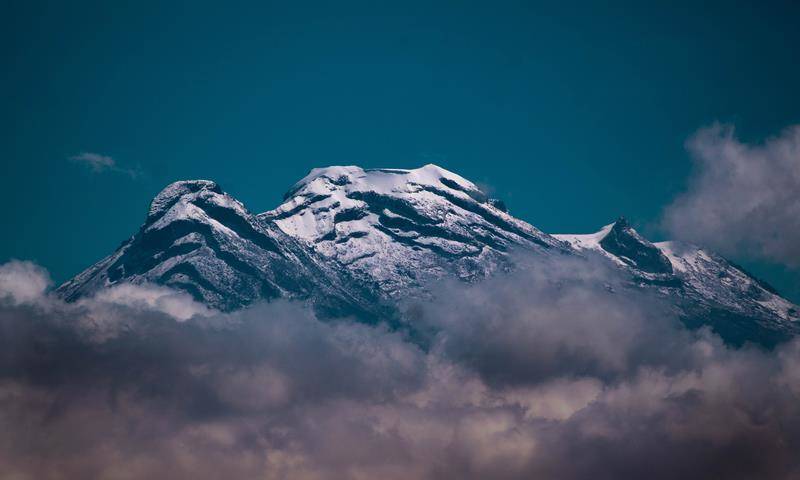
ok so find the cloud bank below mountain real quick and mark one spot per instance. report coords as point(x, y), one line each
point(543, 373)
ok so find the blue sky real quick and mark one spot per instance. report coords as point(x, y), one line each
point(572, 114)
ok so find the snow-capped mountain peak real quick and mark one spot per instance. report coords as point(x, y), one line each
point(348, 188)
point(401, 227)
point(199, 239)
point(382, 180)
point(175, 191)
point(202, 202)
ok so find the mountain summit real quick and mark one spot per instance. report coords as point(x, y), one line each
point(352, 241)
point(398, 229)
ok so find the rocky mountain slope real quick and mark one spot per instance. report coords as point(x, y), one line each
point(351, 241)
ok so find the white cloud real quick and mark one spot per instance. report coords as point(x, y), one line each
point(743, 199)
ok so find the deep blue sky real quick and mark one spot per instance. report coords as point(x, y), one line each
point(571, 114)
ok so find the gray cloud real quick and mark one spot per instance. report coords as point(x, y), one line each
point(742, 199)
point(529, 375)
point(563, 314)
point(102, 163)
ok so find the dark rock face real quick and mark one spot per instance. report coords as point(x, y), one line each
point(625, 243)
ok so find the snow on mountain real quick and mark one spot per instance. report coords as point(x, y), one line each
point(401, 228)
point(716, 279)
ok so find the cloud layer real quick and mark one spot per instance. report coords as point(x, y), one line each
point(529, 375)
point(742, 199)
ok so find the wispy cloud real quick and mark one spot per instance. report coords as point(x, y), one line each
point(102, 163)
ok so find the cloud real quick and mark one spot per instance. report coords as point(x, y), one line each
point(102, 163)
point(22, 282)
point(563, 314)
point(742, 199)
point(527, 375)
point(179, 305)
point(95, 161)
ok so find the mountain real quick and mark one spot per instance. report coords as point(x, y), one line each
point(705, 287)
point(201, 240)
point(353, 241)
